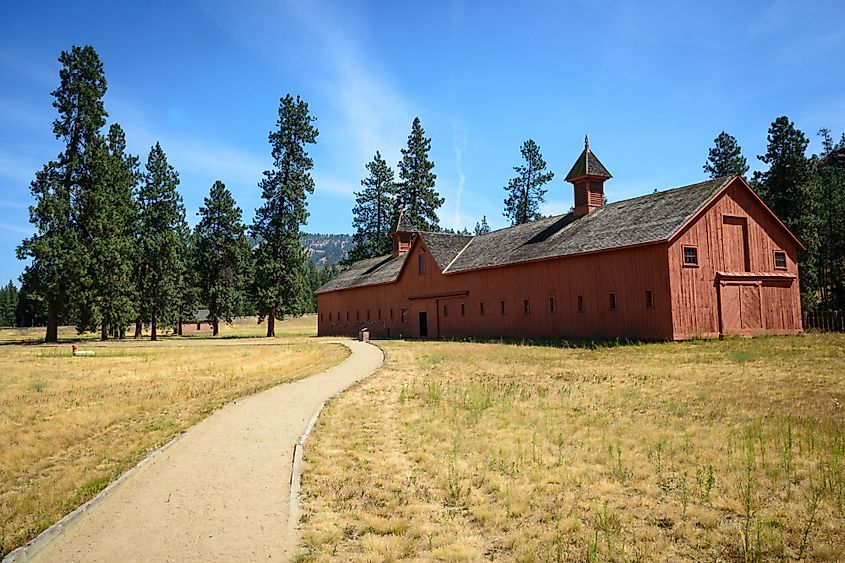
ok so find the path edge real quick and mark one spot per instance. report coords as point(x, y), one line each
point(39, 542)
point(294, 511)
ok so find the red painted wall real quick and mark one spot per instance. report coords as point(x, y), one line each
point(735, 233)
point(627, 273)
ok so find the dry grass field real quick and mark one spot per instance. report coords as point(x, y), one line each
point(709, 451)
point(70, 425)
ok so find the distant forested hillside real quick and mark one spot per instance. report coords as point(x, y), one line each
point(326, 250)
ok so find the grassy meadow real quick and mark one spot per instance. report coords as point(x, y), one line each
point(70, 425)
point(714, 450)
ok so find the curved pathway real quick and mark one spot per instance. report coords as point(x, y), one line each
point(220, 492)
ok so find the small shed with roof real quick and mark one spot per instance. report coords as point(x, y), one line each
point(702, 260)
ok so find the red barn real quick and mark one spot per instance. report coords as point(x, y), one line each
point(702, 260)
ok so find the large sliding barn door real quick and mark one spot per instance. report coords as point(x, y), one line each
point(749, 308)
point(740, 310)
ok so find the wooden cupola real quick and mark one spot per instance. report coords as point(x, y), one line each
point(403, 235)
point(588, 176)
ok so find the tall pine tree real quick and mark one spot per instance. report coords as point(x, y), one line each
point(161, 214)
point(790, 189)
point(223, 257)
point(373, 212)
point(830, 177)
point(105, 299)
point(415, 191)
point(279, 283)
point(725, 158)
point(525, 191)
point(55, 247)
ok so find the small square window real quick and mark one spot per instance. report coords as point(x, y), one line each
point(690, 256)
point(503, 308)
point(481, 308)
point(463, 310)
point(612, 301)
point(580, 303)
point(780, 260)
point(649, 299)
point(404, 315)
point(445, 310)
point(422, 264)
point(552, 308)
point(526, 309)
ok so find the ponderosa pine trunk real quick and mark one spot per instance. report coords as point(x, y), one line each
point(52, 335)
point(179, 328)
point(122, 332)
point(139, 327)
point(271, 323)
point(153, 335)
point(215, 326)
point(104, 331)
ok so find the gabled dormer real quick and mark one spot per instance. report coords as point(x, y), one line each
point(588, 176)
point(403, 235)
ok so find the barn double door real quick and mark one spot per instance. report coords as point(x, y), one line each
point(740, 308)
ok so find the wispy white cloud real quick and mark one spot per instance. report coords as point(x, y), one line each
point(25, 115)
point(327, 183)
point(215, 159)
point(370, 112)
point(555, 206)
point(813, 47)
point(17, 166)
point(16, 228)
point(459, 143)
point(7, 204)
point(25, 68)
point(375, 115)
point(203, 158)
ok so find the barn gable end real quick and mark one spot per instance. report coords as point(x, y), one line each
point(735, 285)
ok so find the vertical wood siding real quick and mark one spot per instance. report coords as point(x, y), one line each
point(627, 273)
point(735, 234)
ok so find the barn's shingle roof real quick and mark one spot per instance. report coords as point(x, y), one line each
point(445, 246)
point(641, 220)
point(371, 271)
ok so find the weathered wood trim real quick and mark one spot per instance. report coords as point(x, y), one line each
point(754, 276)
point(439, 295)
point(458, 255)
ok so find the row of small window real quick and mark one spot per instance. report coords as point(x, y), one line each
point(552, 305)
point(691, 257)
point(503, 308)
point(403, 312)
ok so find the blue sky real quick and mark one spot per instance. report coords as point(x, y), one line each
point(652, 83)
